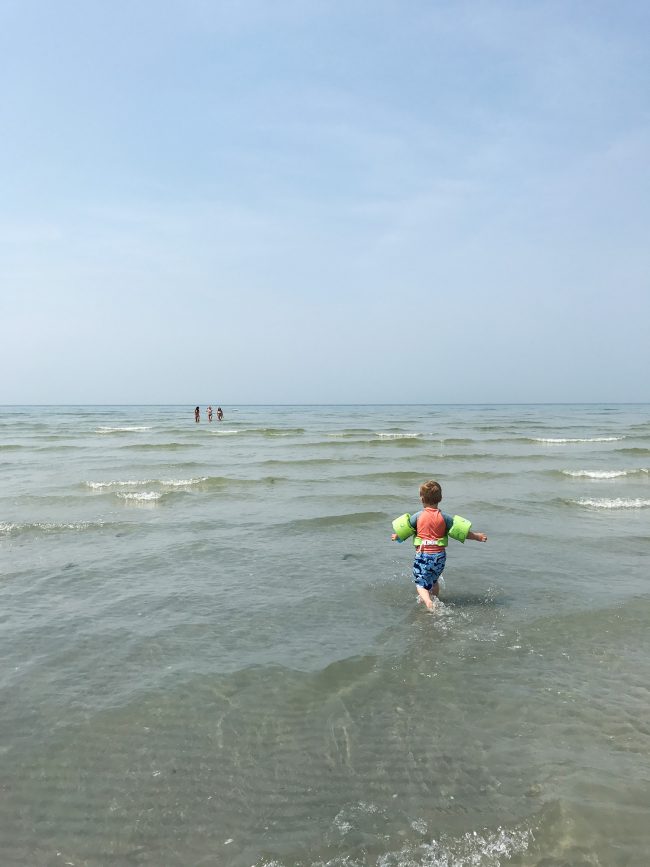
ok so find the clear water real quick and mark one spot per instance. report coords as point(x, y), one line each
point(212, 652)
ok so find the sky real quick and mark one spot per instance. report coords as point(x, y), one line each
point(324, 201)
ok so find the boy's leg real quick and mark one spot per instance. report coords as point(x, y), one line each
point(437, 568)
point(424, 595)
point(425, 573)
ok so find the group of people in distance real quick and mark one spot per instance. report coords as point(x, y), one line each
point(197, 414)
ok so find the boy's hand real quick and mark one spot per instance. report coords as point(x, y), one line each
point(393, 537)
point(477, 537)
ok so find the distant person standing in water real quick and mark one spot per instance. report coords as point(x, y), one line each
point(209, 413)
point(219, 413)
point(197, 415)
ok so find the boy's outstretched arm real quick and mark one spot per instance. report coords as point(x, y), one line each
point(477, 537)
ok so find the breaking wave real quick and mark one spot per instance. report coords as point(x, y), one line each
point(140, 496)
point(130, 483)
point(612, 503)
point(602, 474)
point(17, 528)
point(126, 429)
point(562, 440)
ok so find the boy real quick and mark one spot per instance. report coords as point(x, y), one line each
point(431, 528)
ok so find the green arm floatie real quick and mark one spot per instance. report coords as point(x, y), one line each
point(460, 528)
point(402, 527)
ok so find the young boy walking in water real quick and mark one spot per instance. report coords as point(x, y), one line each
point(431, 528)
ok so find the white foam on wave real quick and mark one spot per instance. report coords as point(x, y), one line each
point(8, 527)
point(487, 848)
point(398, 436)
point(142, 496)
point(129, 483)
point(598, 474)
point(129, 429)
point(613, 503)
point(556, 440)
point(182, 483)
point(132, 483)
point(227, 432)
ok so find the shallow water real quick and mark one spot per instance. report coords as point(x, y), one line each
point(213, 654)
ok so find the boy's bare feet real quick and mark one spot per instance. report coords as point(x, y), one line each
point(423, 596)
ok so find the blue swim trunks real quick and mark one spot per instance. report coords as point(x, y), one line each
point(427, 568)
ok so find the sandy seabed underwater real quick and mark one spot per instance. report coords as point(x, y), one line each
point(212, 652)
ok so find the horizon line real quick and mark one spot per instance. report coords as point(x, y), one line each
point(467, 403)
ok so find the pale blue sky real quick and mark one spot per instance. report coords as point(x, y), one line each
point(324, 202)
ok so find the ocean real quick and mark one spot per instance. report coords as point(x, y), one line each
point(212, 652)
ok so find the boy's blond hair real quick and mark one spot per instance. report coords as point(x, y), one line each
point(430, 493)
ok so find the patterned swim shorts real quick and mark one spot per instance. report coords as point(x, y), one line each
point(427, 568)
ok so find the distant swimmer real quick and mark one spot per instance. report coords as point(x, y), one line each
point(197, 415)
point(209, 413)
point(431, 529)
point(219, 413)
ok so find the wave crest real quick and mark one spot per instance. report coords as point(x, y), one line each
point(613, 503)
point(9, 528)
point(562, 440)
point(601, 474)
point(126, 429)
point(132, 483)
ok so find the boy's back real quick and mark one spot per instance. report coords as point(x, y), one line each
point(431, 525)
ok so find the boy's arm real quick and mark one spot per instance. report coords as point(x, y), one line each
point(413, 521)
point(477, 537)
point(450, 522)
